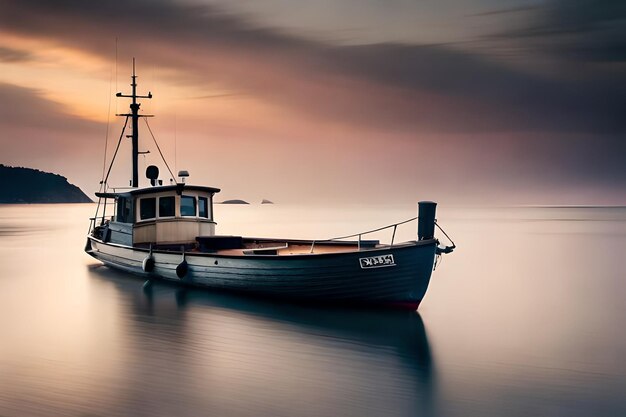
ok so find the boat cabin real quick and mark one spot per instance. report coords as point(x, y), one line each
point(160, 215)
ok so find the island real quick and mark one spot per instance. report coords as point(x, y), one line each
point(233, 202)
point(20, 185)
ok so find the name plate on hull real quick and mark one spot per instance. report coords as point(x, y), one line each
point(377, 261)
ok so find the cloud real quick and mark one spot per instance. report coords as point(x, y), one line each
point(585, 30)
point(384, 86)
point(14, 55)
point(508, 10)
point(483, 95)
point(37, 132)
point(27, 109)
point(483, 119)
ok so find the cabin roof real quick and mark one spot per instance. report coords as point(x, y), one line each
point(179, 188)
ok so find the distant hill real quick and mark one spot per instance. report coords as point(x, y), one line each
point(26, 185)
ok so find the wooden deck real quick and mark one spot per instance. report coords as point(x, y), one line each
point(287, 249)
point(241, 246)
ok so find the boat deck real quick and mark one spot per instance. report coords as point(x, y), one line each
point(240, 246)
point(287, 249)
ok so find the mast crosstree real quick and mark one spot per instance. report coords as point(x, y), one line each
point(134, 115)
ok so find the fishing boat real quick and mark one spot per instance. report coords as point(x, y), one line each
point(168, 232)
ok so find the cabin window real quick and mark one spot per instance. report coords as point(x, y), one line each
point(124, 212)
point(167, 206)
point(188, 205)
point(203, 207)
point(147, 208)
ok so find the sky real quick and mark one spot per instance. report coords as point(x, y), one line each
point(462, 102)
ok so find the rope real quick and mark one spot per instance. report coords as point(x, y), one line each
point(159, 149)
point(443, 231)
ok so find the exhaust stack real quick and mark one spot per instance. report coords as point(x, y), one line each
point(426, 220)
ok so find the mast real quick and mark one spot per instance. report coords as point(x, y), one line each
point(134, 115)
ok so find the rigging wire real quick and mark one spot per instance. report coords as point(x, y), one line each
point(106, 136)
point(159, 149)
point(175, 143)
point(116, 89)
point(106, 144)
point(116, 149)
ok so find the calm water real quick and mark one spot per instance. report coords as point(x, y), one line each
point(526, 319)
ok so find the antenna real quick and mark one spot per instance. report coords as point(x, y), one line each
point(134, 115)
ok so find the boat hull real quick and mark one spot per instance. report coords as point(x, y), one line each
point(358, 277)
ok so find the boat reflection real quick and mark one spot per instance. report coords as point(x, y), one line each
point(349, 359)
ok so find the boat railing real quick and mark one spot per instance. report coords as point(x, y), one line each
point(93, 222)
point(361, 234)
point(118, 189)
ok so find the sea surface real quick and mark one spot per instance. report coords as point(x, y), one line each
point(526, 318)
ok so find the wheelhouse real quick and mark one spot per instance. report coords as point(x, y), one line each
point(162, 215)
